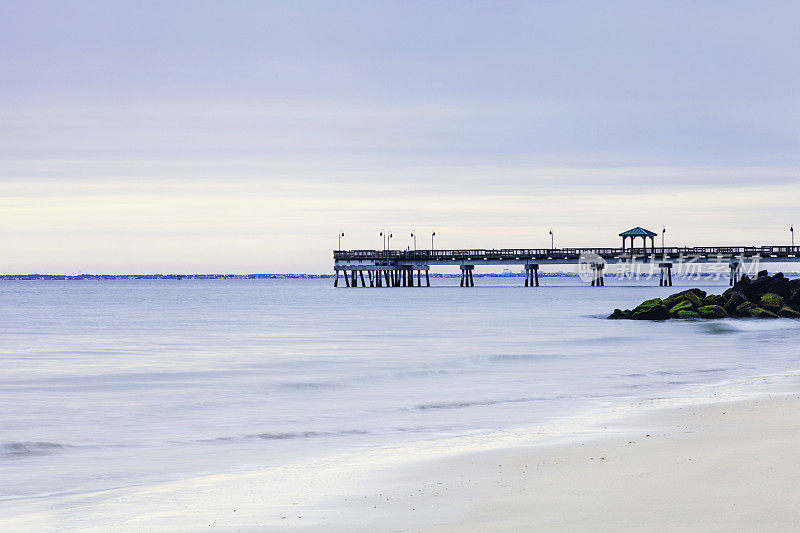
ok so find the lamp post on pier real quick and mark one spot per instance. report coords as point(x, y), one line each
point(433, 234)
point(791, 228)
point(414, 236)
point(341, 234)
point(663, 231)
point(552, 240)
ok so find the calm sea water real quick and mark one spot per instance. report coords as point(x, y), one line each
point(114, 383)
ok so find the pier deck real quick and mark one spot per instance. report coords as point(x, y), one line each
point(397, 267)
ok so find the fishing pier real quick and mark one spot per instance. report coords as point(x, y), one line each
point(410, 268)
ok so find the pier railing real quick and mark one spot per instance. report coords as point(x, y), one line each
point(560, 253)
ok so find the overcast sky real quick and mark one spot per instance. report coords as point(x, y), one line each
point(242, 136)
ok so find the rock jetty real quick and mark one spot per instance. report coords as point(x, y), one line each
point(764, 296)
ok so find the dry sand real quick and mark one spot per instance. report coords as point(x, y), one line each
point(713, 466)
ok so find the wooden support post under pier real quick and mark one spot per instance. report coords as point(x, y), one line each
point(466, 276)
point(336, 281)
point(736, 272)
point(666, 274)
point(597, 274)
point(531, 275)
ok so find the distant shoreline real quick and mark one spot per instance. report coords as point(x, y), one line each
point(178, 277)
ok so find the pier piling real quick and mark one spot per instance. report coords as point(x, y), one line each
point(531, 275)
point(736, 272)
point(666, 275)
point(466, 276)
point(598, 279)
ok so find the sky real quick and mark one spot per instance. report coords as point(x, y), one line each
point(242, 137)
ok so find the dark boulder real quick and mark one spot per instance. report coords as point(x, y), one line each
point(762, 274)
point(794, 300)
point(617, 314)
point(727, 293)
point(714, 299)
point(742, 284)
point(656, 312)
point(788, 312)
point(771, 302)
point(690, 296)
point(779, 286)
point(756, 289)
point(735, 299)
point(645, 306)
point(712, 311)
point(649, 303)
point(744, 309)
point(697, 292)
point(757, 312)
point(683, 305)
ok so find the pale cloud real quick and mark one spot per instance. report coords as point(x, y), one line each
point(251, 226)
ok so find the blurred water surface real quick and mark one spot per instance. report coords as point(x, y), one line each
point(108, 384)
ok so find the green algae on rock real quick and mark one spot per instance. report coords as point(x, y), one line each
point(757, 312)
point(683, 305)
point(771, 302)
point(712, 311)
point(653, 312)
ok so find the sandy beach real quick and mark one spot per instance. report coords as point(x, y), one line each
point(707, 463)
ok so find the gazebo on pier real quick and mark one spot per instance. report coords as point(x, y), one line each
point(639, 232)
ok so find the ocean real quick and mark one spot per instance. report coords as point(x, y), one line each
point(117, 383)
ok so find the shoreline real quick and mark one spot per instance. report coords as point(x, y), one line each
point(627, 467)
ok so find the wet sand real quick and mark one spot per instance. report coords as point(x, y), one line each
point(713, 466)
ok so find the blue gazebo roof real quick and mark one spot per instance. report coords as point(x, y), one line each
point(637, 232)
